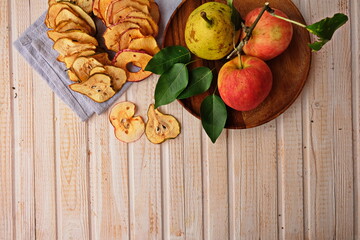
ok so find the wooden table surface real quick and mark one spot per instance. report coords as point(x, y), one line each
point(296, 177)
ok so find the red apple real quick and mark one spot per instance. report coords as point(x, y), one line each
point(270, 37)
point(243, 86)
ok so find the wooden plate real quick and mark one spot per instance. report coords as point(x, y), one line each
point(290, 69)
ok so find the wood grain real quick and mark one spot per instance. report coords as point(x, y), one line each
point(6, 149)
point(174, 189)
point(215, 182)
point(144, 172)
point(23, 135)
point(71, 174)
point(108, 182)
point(288, 82)
point(355, 34)
point(44, 166)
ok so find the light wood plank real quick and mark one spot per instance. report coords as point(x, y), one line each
point(144, 172)
point(355, 30)
point(191, 130)
point(253, 183)
point(71, 174)
point(44, 148)
point(328, 177)
point(173, 180)
point(23, 130)
point(342, 129)
point(290, 173)
point(6, 149)
point(267, 178)
point(215, 187)
point(108, 181)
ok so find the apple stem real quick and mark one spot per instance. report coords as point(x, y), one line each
point(287, 20)
point(249, 31)
point(203, 15)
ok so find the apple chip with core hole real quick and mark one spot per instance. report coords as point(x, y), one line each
point(147, 44)
point(113, 34)
point(76, 35)
point(138, 59)
point(127, 127)
point(82, 67)
point(97, 87)
point(160, 127)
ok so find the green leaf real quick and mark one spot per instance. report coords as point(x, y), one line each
point(199, 81)
point(235, 15)
point(167, 57)
point(325, 29)
point(213, 116)
point(171, 83)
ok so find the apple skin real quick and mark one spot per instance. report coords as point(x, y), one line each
point(270, 37)
point(244, 87)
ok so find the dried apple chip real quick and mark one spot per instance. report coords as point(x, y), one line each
point(69, 60)
point(67, 47)
point(155, 11)
point(77, 35)
point(82, 67)
point(116, 6)
point(147, 44)
point(160, 127)
point(137, 58)
point(127, 36)
point(127, 127)
point(118, 77)
point(112, 35)
point(97, 87)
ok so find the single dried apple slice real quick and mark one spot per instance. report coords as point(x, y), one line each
point(97, 87)
point(118, 77)
point(149, 19)
point(68, 15)
point(147, 44)
point(67, 47)
point(155, 11)
point(68, 25)
point(69, 60)
point(81, 13)
point(160, 127)
point(127, 36)
point(127, 127)
point(82, 67)
point(112, 35)
point(121, 14)
point(77, 35)
point(138, 59)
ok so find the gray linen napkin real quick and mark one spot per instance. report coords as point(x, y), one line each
point(35, 46)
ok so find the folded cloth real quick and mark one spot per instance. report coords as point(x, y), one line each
point(36, 47)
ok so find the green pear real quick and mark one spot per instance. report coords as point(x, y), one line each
point(209, 32)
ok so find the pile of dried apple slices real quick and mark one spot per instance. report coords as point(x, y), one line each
point(132, 26)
